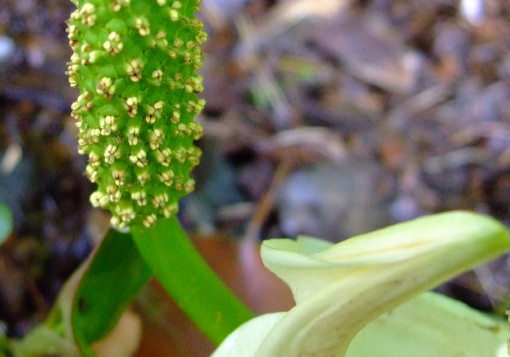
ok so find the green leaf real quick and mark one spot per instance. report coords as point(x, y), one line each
point(189, 280)
point(5, 222)
point(90, 302)
point(114, 275)
point(4, 344)
point(42, 341)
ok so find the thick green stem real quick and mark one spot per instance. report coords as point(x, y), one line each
point(189, 280)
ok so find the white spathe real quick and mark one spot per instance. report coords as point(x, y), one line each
point(358, 285)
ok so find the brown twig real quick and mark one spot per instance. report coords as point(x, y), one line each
point(266, 204)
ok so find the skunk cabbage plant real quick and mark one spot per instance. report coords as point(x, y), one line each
point(134, 63)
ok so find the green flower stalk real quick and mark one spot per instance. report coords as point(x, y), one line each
point(135, 64)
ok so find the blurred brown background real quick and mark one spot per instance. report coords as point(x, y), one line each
point(324, 117)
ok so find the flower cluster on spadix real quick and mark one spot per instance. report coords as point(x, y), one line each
point(135, 64)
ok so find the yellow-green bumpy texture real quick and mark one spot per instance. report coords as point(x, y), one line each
point(134, 62)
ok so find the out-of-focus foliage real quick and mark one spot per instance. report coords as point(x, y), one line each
point(6, 222)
